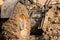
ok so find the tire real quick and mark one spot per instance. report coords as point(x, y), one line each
point(17, 27)
point(51, 24)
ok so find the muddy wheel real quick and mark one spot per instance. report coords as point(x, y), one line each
point(51, 24)
point(24, 22)
point(17, 27)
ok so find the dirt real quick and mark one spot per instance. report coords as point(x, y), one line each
point(44, 23)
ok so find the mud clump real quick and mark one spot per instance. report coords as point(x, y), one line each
point(12, 29)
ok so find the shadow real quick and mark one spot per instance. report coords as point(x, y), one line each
point(2, 20)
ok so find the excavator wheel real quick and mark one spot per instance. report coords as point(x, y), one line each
point(51, 24)
point(18, 26)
